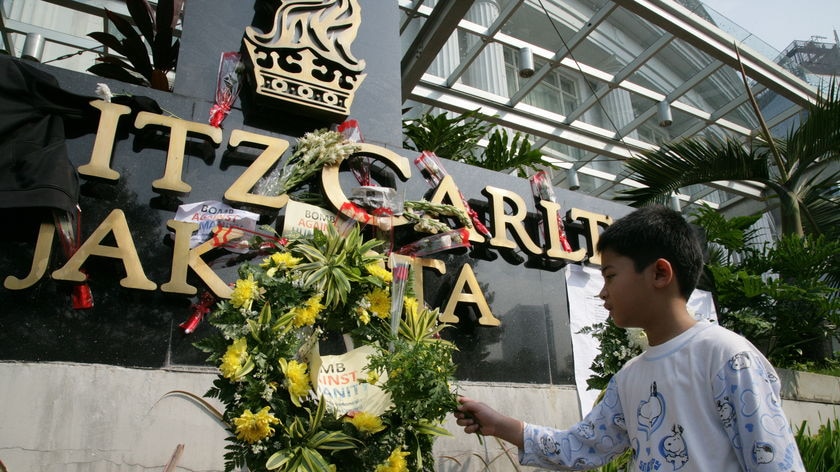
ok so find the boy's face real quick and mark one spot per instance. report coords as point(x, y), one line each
point(625, 292)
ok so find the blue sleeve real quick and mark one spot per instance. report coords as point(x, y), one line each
point(593, 442)
point(748, 402)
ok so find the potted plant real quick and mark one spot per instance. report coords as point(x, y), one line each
point(151, 34)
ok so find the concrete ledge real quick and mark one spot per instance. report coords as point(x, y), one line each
point(808, 387)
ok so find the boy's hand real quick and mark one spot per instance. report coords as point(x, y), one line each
point(476, 417)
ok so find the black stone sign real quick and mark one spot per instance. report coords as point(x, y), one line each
point(139, 328)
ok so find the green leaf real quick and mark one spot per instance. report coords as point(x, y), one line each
point(134, 49)
point(313, 461)
point(451, 138)
point(141, 12)
point(113, 71)
point(108, 40)
point(432, 430)
point(332, 441)
point(278, 459)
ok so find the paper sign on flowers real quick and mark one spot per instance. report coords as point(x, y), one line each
point(345, 384)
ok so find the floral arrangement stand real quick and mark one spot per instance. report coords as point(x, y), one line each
point(378, 407)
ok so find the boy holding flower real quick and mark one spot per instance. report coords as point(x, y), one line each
point(700, 398)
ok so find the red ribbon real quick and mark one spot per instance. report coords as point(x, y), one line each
point(218, 112)
point(199, 310)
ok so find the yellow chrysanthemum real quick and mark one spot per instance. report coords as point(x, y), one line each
point(372, 377)
point(364, 316)
point(379, 272)
point(395, 463)
point(410, 304)
point(365, 422)
point(297, 379)
point(380, 303)
point(251, 427)
point(244, 292)
point(281, 260)
point(307, 314)
point(233, 358)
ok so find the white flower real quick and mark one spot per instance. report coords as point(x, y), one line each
point(103, 92)
point(637, 338)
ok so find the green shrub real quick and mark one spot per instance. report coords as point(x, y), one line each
point(821, 451)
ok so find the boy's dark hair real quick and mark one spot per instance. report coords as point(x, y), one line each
point(654, 232)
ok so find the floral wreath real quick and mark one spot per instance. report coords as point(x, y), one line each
point(266, 348)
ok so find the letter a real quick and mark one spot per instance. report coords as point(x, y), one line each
point(125, 250)
point(475, 295)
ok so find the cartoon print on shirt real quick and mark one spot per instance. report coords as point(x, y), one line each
point(618, 420)
point(740, 361)
point(651, 412)
point(762, 453)
point(587, 430)
point(673, 448)
point(726, 411)
point(549, 446)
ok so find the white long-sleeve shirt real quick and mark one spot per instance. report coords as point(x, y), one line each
point(706, 400)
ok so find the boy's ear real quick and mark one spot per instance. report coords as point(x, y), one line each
point(663, 273)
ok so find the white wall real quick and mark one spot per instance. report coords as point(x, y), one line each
point(98, 418)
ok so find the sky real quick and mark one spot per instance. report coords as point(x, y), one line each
point(779, 22)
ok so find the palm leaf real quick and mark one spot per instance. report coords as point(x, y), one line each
point(113, 71)
point(143, 15)
point(817, 138)
point(109, 41)
point(134, 49)
point(689, 162)
point(162, 43)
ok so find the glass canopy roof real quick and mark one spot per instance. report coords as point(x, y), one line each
point(605, 73)
point(599, 74)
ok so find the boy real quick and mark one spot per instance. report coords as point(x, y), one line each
point(701, 398)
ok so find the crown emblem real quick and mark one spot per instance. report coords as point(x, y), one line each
point(305, 60)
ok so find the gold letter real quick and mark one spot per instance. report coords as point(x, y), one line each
point(555, 250)
point(40, 260)
point(332, 185)
point(467, 277)
point(501, 220)
point(177, 142)
point(100, 158)
point(592, 234)
point(417, 264)
point(194, 260)
point(180, 258)
point(240, 190)
point(115, 223)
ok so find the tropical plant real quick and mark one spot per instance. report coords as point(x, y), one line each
point(503, 153)
point(156, 27)
point(799, 170)
point(457, 139)
point(790, 319)
point(451, 138)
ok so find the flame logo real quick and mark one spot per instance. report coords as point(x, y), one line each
point(325, 27)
